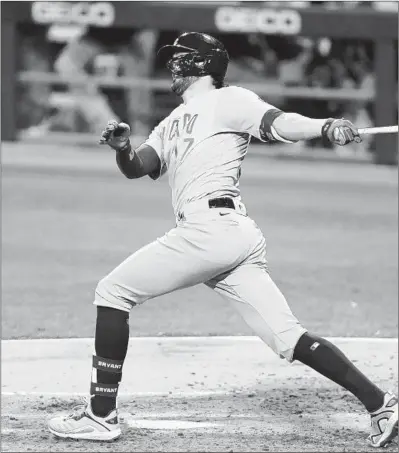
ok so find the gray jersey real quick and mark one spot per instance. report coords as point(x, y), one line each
point(202, 143)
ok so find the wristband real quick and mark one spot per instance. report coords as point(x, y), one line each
point(325, 128)
point(126, 147)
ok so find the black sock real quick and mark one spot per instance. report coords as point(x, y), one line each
point(328, 360)
point(112, 339)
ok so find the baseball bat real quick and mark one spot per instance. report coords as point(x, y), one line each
point(379, 130)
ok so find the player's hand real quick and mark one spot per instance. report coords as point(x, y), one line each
point(116, 135)
point(340, 132)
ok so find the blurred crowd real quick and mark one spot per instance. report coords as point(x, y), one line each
point(255, 58)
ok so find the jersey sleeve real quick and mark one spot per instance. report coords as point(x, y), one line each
point(156, 141)
point(245, 111)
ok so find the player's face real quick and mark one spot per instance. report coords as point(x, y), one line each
point(179, 82)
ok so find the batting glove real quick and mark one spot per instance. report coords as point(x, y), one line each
point(116, 135)
point(340, 132)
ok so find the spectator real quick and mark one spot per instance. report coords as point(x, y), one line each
point(130, 53)
point(33, 55)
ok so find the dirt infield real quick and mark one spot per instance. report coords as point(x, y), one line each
point(196, 394)
point(290, 419)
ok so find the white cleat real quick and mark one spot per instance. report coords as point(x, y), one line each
point(83, 424)
point(384, 422)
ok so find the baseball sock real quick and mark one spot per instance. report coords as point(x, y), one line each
point(111, 343)
point(328, 360)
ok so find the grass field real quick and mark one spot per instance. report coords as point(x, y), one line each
point(69, 217)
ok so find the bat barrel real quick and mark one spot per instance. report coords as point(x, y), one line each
point(379, 130)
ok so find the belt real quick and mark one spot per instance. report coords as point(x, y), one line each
point(213, 203)
point(221, 203)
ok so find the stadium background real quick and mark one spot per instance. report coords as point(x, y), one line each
point(68, 216)
point(78, 64)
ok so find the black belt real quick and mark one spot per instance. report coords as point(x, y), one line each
point(215, 203)
point(221, 203)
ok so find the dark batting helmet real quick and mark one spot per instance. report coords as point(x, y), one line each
point(204, 55)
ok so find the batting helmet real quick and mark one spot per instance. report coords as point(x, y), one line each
point(204, 55)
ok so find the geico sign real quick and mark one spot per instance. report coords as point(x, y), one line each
point(270, 21)
point(101, 14)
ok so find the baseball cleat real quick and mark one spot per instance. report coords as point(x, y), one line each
point(83, 424)
point(384, 422)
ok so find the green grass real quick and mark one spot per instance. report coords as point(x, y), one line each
point(331, 231)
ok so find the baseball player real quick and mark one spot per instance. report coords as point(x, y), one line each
point(201, 146)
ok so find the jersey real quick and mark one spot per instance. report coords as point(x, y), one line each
point(202, 143)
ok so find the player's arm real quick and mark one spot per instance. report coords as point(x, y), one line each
point(137, 163)
point(295, 127)
point(132, 163)
point(247, 112)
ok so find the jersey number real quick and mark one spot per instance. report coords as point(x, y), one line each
point(189, 143)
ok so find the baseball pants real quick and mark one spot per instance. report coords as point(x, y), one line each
point(225, 250)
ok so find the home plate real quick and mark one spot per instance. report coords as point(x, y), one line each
point(168, 424)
